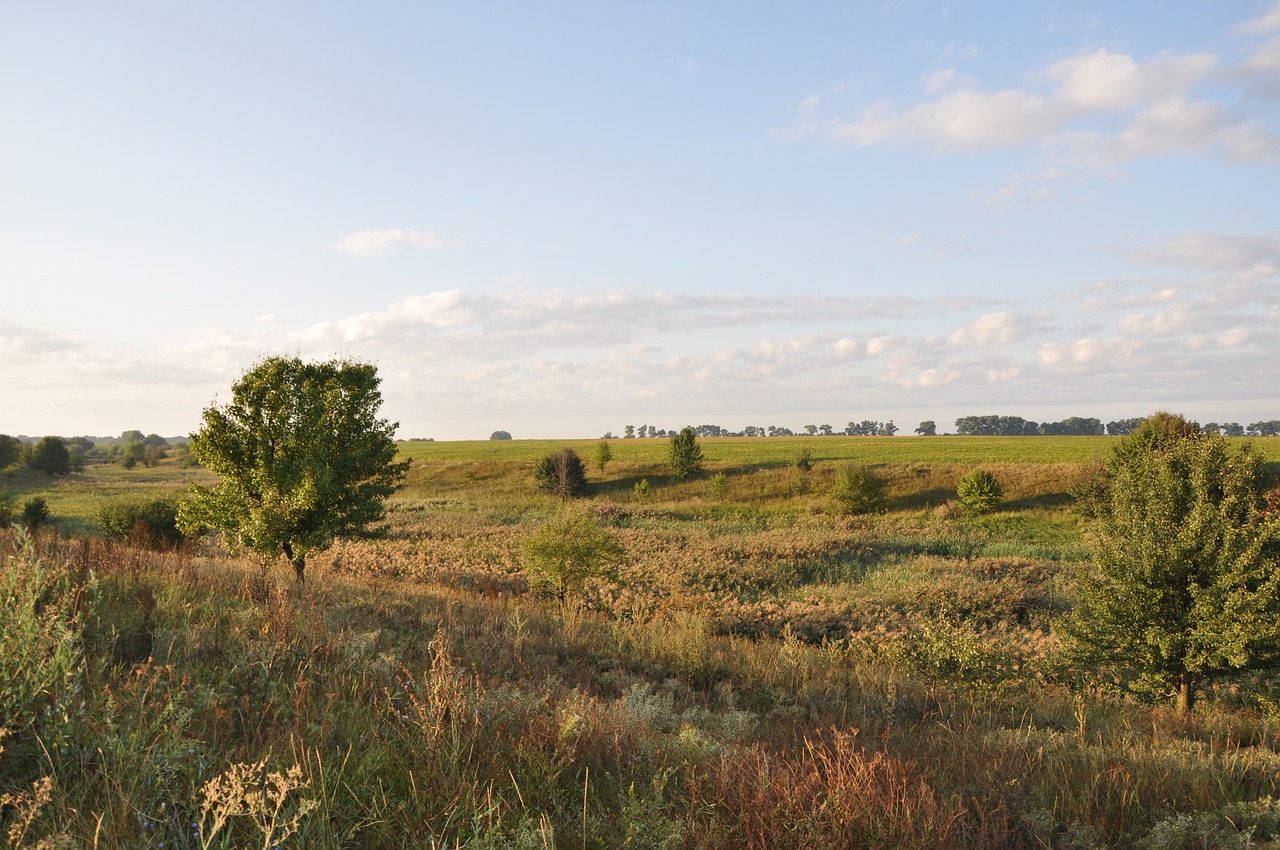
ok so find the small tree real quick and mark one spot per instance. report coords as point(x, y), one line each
point(927, 428)
point(35, 512)
point(979, 492)
point(604, 454)
point(1185, 583)
point(564, 554)
point(803, 459)
point(561, 474)
point(303, 456)
point(858, 490)
point(50, 456)
point(500, 435)
point(684, 455)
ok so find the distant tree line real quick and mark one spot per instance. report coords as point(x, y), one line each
point(55, 455)
point(865, 428)
point(1076, 426)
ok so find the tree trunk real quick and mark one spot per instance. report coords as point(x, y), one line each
point(1186, 692)
point(299, 561)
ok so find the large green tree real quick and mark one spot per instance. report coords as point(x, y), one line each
point(1184, 588)
point(303, 456)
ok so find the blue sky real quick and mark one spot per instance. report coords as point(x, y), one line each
point(558, 219)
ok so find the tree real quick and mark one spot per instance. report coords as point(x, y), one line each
point(604, 454)
point(927, 428)
point(50, 456)
point(979, 491)
point(1184, 587)
point(563, 554)
point(500, 435)
point(561, 474)
point(10, 450)
point(303, 456)
point(684, 455)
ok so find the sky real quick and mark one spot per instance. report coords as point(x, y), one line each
point(557, 219)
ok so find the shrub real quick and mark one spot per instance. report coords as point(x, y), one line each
point(979, 492)
point(500, 435)
point(155, 521)
point(561, 474)
point(35, 512)
point(803, 460)
point(718, 488)
point(858, 490)
point(563, 554)
point(641, 488)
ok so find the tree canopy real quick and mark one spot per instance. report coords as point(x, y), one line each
point(1185, 583)
point(303, 456)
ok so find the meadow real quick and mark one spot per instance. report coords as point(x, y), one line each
point(760, 672)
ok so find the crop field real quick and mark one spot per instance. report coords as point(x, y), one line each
point(758, 670)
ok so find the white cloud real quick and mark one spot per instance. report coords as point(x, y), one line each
point(1089, 114)
point(1269, 21)
point(939, 81)
point(1213, 252)
point(372, 243)
point(994, 329)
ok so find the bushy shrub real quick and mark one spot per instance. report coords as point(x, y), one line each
point(154, 521)
point(563, 554)
point(979, 492)
point(35, 512)
point(561, 474)
point(858, 490)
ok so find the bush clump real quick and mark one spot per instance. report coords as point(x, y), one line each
point(561, 474)
point(979, 492)
point(154, 521)
point(858, 490)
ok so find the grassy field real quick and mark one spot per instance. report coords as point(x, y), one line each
point(761, 672)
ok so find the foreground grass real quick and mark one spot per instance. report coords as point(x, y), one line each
point(419, 715)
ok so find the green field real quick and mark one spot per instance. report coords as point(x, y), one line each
point(759, 670)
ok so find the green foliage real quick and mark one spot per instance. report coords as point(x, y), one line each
point(563, 554)
point(803, 459)
point(41, 663)
point(858, 490)
point(7, 508)
point(10, 450)
point(718, 486)
point(684, 455)
point(303, 456)
point(50, 456)
point(561, 474)
point(604, 454)
point(132, 453)
point(641, 488)
point(979, 492)
point(500, 435)
point(35, 512)
point(153, 521)
point(1185, 586)
point(927, 428)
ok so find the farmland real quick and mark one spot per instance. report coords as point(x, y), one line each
point(760, 671)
